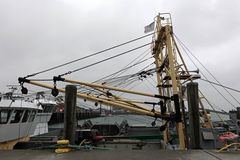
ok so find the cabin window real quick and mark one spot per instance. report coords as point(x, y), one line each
point(16, 116)
point(26, 116)
point(47, 109)
point(32, 117)
point(4, 116)
point(51, 108)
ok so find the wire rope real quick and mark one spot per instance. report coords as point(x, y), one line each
point(106, 59)
point(88, 56)
point(185, 49)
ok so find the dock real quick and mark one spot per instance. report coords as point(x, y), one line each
point(119, 155)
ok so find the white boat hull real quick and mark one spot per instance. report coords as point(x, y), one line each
point(14, 131)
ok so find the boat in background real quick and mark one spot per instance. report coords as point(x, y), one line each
point(22, 117)
point(17, 119)
point(43, 116)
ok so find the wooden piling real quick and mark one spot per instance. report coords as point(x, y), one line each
point(193, 108)
point(238, 113)
point(70, 121)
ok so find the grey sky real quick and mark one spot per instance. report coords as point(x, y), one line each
point(35, 35)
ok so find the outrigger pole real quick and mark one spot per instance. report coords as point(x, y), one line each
point(123, 105)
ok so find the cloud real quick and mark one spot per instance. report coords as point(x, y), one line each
point(207, 23)
point(36, 35)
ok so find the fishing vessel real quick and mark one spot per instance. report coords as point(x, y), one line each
point(177, 105)
point(23, 116)
point(17, 119)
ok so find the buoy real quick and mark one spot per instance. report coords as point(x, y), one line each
point(64, 141)
point(62, 150)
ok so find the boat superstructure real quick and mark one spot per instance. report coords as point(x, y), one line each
point(17, 118)
point(43, 116)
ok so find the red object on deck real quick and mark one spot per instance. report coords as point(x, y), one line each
point(228, 136)
point(98, 138)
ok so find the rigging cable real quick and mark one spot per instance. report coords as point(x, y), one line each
point(220, 85)
point(122, 70)
point(151, 87)
point(94, 54)
point(151, 83)
point(135, 75)
point(110, 80)
point(208, 71)
point(185, 50)
point(137, 61)
point(127, 85)
point(127, 67)
point(109, 58)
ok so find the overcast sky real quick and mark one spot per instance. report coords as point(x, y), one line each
point(38, 34)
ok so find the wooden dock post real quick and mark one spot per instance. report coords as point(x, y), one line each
point(70, 113)
point(238, 113)
point(193, 108)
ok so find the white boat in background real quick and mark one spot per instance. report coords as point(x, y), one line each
point(17, 119)
point(22, 117)
point(43, 116)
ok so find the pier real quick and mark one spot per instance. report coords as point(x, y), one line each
point(118, 155)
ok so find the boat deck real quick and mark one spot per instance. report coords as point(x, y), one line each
point(119, 155)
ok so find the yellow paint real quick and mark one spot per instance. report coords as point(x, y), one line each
point(62, 150)
point(64, 141)
point(9, 145)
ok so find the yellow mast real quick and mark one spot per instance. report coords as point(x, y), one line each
point(157, 54)
point(166, 60)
